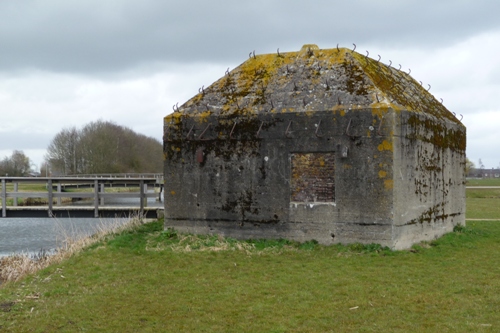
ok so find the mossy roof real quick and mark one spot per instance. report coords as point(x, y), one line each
point(313, 80)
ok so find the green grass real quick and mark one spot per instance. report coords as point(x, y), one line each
point(483, 203)
point(483, 182)
point(150, 280)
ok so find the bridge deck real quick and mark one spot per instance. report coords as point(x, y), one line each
point(54, 193)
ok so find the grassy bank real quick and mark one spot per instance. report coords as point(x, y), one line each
point(150, 280)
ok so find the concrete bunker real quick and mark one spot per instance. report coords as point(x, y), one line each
point(328, 145)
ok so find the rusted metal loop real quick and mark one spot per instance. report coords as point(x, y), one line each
point(175, 107)
point(317, 129)
point(202, 133)
point(189, 133)
point(232, 130)
point(288, 128)
point(260, 127)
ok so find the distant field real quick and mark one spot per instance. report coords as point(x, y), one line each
point(483, 182)
point(483, 203)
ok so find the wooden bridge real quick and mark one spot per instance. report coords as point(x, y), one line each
point(55, 192)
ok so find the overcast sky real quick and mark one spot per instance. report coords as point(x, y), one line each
point(67, 63)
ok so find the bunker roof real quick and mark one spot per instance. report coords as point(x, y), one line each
point(313, 80)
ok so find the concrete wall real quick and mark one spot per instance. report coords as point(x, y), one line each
point(240, 184)
point(429, 179)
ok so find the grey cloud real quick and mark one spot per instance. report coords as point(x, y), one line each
point(100, 36)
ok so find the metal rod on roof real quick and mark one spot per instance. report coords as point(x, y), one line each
point(189, 133)
point(347, 129)
point(231, 134)
point(317, 129)
point(380, 126)
point(286, 132)
point(260, 127)
point(206, 128)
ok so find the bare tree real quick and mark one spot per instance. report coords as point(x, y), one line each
point(103, 147)
point(18, 165)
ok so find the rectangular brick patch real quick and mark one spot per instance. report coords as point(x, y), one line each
point(312, 177)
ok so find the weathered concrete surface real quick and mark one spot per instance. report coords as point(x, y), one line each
point(317, 144)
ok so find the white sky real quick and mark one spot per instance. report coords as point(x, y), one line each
point(66, 63)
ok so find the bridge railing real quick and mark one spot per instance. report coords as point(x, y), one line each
point(55, 185)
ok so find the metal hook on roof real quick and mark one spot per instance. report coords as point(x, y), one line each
point(279, 55)
point(429, 87)
point(420, 82)
point(317, 129)
point(441, 100)
point(379, 57)
point(461, 117)
point(176, 107)
point(338, 50)
point(227, 71)
point(354, 47)
point(399, 67)
point(253, 53)
point(390, 63)
point(367, 54)
point(202, 90)
point(409, 71)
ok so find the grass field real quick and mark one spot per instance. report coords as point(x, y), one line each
point(483, 182)
point(150, 280)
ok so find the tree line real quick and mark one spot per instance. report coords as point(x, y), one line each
point(17, 165)
point(103, 147)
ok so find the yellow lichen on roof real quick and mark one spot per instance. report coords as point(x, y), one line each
point(313, 79)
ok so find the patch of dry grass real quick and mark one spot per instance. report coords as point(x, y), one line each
point(17, 266)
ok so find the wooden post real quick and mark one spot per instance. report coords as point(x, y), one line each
point(58, 191)
point(96, 198)
point(4, 199)
point(16, 188)
point(50, 196)
point(141, 196)
point(102, 197)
